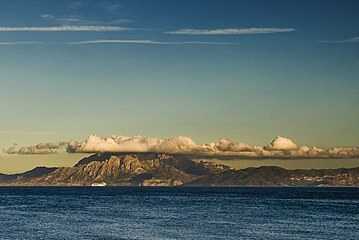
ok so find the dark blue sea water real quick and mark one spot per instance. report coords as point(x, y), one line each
point(178, 213)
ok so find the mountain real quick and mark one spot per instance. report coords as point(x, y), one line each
point(158, 169)
point(276, 176)
point(123, 169)
point(26, 176)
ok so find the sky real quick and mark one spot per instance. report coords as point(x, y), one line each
point(244, 70)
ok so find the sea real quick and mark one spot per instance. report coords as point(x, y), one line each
point(179, 213)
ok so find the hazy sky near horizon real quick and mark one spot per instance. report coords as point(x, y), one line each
point(243, 70)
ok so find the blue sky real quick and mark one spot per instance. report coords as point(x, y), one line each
point(293, 73)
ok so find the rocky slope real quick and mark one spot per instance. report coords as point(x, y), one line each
point(156, 169)
point(124, 169)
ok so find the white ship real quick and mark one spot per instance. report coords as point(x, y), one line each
point(102, 184)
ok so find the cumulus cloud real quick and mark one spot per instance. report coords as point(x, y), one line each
point(117, 143)
point(50, 145)
point(230, 31)
point(41, 148)
point(282, 143)
point(279, 148)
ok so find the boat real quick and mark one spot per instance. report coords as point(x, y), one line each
point(102, 184)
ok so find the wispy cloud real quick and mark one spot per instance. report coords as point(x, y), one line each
point(120, 41)
point(24, 43)
point(69, 20)
point(63, 28)
point(114, 8)
point(76, 5)
point(116, 41)
point(230, 31)
point(63, 20)
point(349, 40)
point(134, 41)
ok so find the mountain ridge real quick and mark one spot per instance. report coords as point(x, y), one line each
point(160, 169)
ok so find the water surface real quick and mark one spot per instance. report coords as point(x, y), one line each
point(178, 213)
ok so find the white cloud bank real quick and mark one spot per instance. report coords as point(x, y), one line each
point(63, 28)
point(280, 147)
point(230, 31)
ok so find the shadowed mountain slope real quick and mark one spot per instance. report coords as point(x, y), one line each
point(34, 173)
point(276, 176)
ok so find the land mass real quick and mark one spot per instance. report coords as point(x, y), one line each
point(159, 169)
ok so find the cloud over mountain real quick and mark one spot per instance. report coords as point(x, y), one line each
point(280, 147)
point(136, 144)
